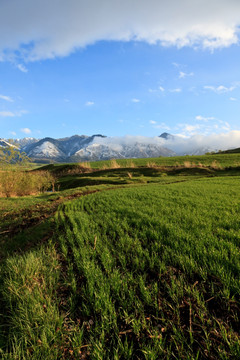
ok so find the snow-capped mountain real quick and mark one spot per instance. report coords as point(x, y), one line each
point(58, 149)
point(85, 148)
point(99, 147)
point(96, 151)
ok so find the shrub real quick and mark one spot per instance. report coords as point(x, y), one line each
point(22, 183)
point(7, 183)
point(114, 164)
point(215, 165)
point(188, 164)
point(130, 164)
point(152, 165)
point(85, 165)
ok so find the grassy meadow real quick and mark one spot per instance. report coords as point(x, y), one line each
point(126, 259)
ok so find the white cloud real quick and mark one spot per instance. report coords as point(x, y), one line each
point(204, 126)
point(26, 131)
point(188, 128)
point(219, 89)
point(7, 114)
point(178, 90)
point(176, 64)
point(21, 112)
point(232, 99)
point(13, 114)
point(13, 133)
point(152, 90)
point(182, 74)
point(22, 68)
point(6, 98)
point(35, 30)
point(160, 88)
point(89, 103)
point(135, 100)
point(181, 144)
point(206, 119)
point(195, 142)
point(224, 125)
point(162, 126)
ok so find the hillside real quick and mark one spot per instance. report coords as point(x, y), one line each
point(231, 151)
point(128, 259)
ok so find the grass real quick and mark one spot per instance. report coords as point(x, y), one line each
point(159, 270)
point(225, 160)
point(146, 266)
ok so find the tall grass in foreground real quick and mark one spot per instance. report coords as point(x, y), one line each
point(36, 328)
point(154, 272)
point(150, 272)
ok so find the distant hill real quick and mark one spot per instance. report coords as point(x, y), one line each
point(231, 151)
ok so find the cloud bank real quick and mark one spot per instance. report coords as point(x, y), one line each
point(199, 144)
point(35, 30)
point(26, 131)
point(196, 144)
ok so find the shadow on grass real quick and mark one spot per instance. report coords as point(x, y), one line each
point(121, 176)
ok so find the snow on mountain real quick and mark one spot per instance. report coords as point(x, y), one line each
point(21, 143)
point(45, 150)
point(96, 151)
point(58, 149)
point(5, 144)
point(95, 147)
point(99, 147)
point(202, 151)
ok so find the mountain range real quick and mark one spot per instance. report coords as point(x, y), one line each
point(84, 148)
point(99, 147)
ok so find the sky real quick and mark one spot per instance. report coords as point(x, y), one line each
point(117, 68)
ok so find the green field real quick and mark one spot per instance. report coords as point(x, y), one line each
point(129, 263)
point(225, 160)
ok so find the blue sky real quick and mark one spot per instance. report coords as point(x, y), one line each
point(133, 78)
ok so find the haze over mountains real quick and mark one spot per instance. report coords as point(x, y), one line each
point(100, 147)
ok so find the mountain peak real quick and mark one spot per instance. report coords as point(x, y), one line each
point(166, 136)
